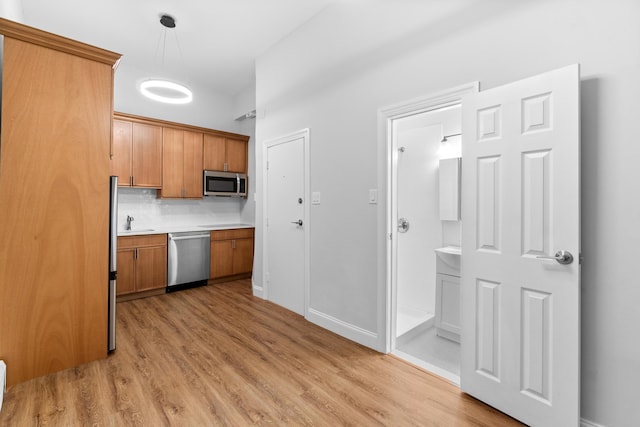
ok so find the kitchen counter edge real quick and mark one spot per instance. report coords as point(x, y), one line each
point(182, 229)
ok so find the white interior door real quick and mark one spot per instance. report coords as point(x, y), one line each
point(521, 202)
point(285, 272)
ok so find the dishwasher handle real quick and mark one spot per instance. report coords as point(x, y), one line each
point(190, 237)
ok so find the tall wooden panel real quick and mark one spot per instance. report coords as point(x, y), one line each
point(54, 202)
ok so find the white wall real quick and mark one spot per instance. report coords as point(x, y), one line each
point(209, 109)
point(11, 9)
point(334, 73)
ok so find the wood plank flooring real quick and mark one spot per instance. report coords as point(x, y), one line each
point(216, 355)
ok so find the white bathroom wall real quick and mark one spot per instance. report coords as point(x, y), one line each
point(417, 201)
point(333, 74)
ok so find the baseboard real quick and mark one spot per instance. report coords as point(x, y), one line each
point(587, 423)
point(258, 291)
point(347, 330)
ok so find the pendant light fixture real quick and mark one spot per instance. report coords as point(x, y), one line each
point(163, 90)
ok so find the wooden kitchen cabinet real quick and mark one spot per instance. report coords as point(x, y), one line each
point(225, 154)
point(142, 264)
point(181, 164)
point(137, 154)
point(231, 252)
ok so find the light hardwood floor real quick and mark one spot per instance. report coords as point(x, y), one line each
point(216, 355)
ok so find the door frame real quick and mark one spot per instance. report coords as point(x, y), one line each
point(389, 153)
point(303, 134)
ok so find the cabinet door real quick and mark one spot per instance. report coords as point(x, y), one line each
point(243, 256)
point(121, 159)
point(125, 283)
point(151, 268)
point(236, 154)
point(448, 306)
point(147, 155)
point(221, 258)
point(192, 173)
point(172, 163)
point(214, 155)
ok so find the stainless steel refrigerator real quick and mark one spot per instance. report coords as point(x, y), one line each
point(113, 247)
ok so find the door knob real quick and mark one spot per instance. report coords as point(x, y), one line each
point(403, 225)
point(298, 222)
point(563, 257)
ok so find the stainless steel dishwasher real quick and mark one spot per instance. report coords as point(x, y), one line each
point(188, 260)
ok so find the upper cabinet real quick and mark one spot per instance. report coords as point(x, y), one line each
point(137, 153)
point(225, 154)
point(171, 156)
point(181, 164)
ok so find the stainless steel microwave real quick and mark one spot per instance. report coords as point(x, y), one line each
point(224, 184)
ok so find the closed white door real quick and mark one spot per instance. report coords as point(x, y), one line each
point(521, 207)
point(285, 255)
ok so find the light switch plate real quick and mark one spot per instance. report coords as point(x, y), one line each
point(373, 196)
point(315, 198)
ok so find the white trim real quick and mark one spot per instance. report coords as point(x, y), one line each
point(587, 423)
point(452, 378)
point(340, 327)
point(258, 291)
point(305, 135)
point(387, 217)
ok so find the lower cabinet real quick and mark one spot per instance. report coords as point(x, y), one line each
point(142, 263)
point(231, 252)
point(448, 306)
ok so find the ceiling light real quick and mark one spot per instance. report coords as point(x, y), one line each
point(163, 90)
point(166, 91)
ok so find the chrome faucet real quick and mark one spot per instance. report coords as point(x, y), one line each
point(129, 221)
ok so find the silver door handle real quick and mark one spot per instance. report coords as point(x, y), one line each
point(403, 225)
point(563, 257)
point(298, 222)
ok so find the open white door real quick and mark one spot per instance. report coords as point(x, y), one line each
point(521, 205)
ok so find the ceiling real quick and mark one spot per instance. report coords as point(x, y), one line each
point(217, 40)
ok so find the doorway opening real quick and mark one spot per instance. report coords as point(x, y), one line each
point(425, 199)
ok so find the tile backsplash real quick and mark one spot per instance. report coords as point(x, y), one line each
point(149, 211)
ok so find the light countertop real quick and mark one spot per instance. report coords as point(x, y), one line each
point(140, 231)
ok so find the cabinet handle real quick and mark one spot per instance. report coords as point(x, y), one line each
point(131, 180)
point(226, 167)
point(135, 254)
point(233, 244)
